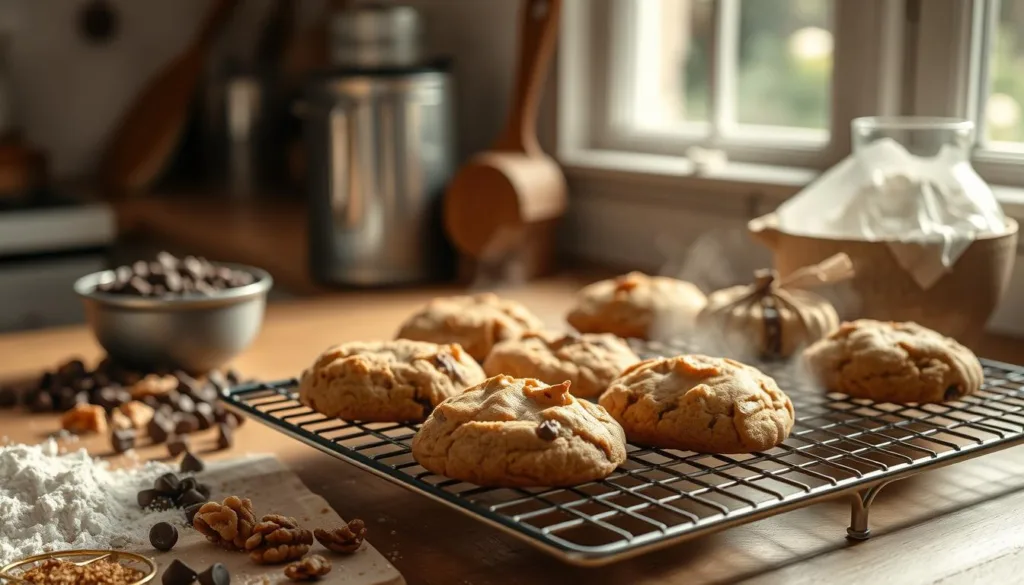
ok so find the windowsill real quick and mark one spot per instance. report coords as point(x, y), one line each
point(769, 184)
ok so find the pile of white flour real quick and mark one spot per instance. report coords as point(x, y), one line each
point(50, 501)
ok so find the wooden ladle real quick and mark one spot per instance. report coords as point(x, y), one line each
point(505, 201)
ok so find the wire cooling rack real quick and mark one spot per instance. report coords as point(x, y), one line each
point(839, 446)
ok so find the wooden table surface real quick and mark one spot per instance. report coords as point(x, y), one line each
point(952, 525)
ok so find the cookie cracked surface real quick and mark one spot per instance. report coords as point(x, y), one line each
point(590, 361)
point(700, 403)
point(894, 362)
point(476, 322)
point(637, 305)
point(516, 432)
point(386, 381)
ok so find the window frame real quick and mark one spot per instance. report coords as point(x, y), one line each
point(867, 66)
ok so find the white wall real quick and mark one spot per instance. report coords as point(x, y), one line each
point(69, 93)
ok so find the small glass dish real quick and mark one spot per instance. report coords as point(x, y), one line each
point(10, 572)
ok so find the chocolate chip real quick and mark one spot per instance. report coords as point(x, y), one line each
point(203, 489)
point(445, 362)
point(8, 397)
point(178, 573)
point(548, 430)
point(215, 574)
point(192, 497)
point(192, 464)
point(185, 423)
point(225, 438)
point(168, 484)
point(217, 379)
point(160, 428)
point(207, 394)
point(42, 402)
point(162, 503)
point(185, 403)
point(204, 414)
point(145, 498)
point(186, 383)
point(177, 445)
point(64, 399)
point(151, 402)
point(233, 377)
point(122, 440)
point(191, 511)
point(163, 536)
point(952, 393)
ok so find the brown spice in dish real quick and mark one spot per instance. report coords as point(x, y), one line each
point(346, 539)
point(61, 572)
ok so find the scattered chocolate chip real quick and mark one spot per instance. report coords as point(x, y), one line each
point(185, 404)
point(163, 536)
point(151, 402)
point(203, 489)
point(225, 438)
point(192, 497)
point(217, 380)
point(177, 445)
point(160, 428)
point(185, 423)
point(145, 498)
point(191, 511)
point(204, 414)
point(215, 574)
point(445, 362)
point(65, 398)
point(8, 397)
point(236, 420)
point(168, 484)
point(548, 430)
point(192, 464)
point(42, 402)
point(122, 440)
point(178, 573)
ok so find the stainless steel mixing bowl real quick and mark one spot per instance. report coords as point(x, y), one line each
point(192, 333)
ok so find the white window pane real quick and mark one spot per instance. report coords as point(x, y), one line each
point(1003, 119)
point(785, 63)
point(670, 61)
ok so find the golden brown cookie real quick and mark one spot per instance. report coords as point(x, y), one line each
point(637, 305)
point(475, 322)
point(519, 432)
point(894, 362)
point(590, 361)
point(700, 403)
point(386, 380)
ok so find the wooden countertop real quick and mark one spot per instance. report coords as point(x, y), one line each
point(956, 524)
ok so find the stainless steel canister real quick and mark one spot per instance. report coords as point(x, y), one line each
point(380, 151)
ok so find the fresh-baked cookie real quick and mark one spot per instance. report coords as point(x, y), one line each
point(590, 361)
point(519, 432)
point(637, 305)
point(894, 362)
point(700, 403)
point(386, 380)
point(475, 322)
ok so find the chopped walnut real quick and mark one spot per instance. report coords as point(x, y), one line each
point(139, 413)
point(278, 539)
point(557, 395)
point(153, 385)
point(346, 539)
point(307, 569)
point(85, 418)
point(119, 422)
point(229, 524)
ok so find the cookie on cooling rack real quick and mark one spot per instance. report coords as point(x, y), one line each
point(637, 305)
point(894, 362)
point(475, 322)
point(590, 361)
point(517, 432)
point(386, 381)
point(700, 403)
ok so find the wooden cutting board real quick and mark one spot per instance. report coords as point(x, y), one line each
point(274, 489)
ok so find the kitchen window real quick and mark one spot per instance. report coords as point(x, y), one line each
point(775, 83)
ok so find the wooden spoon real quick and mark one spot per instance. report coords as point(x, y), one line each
point(505, 201)
point(150, 130)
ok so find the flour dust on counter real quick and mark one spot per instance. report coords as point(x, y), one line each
point(53, 501)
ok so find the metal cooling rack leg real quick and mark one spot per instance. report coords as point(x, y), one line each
point(859, 529)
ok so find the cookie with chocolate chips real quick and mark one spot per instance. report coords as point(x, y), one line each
point(382, 381)
point(590, 361)
point(700, 403)
point(894, 362)
point(518, 432)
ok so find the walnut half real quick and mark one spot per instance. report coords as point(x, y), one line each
point(229, 524)
point(84, 419)
point(346, 539)
point(307, 569)
point(278, 539)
